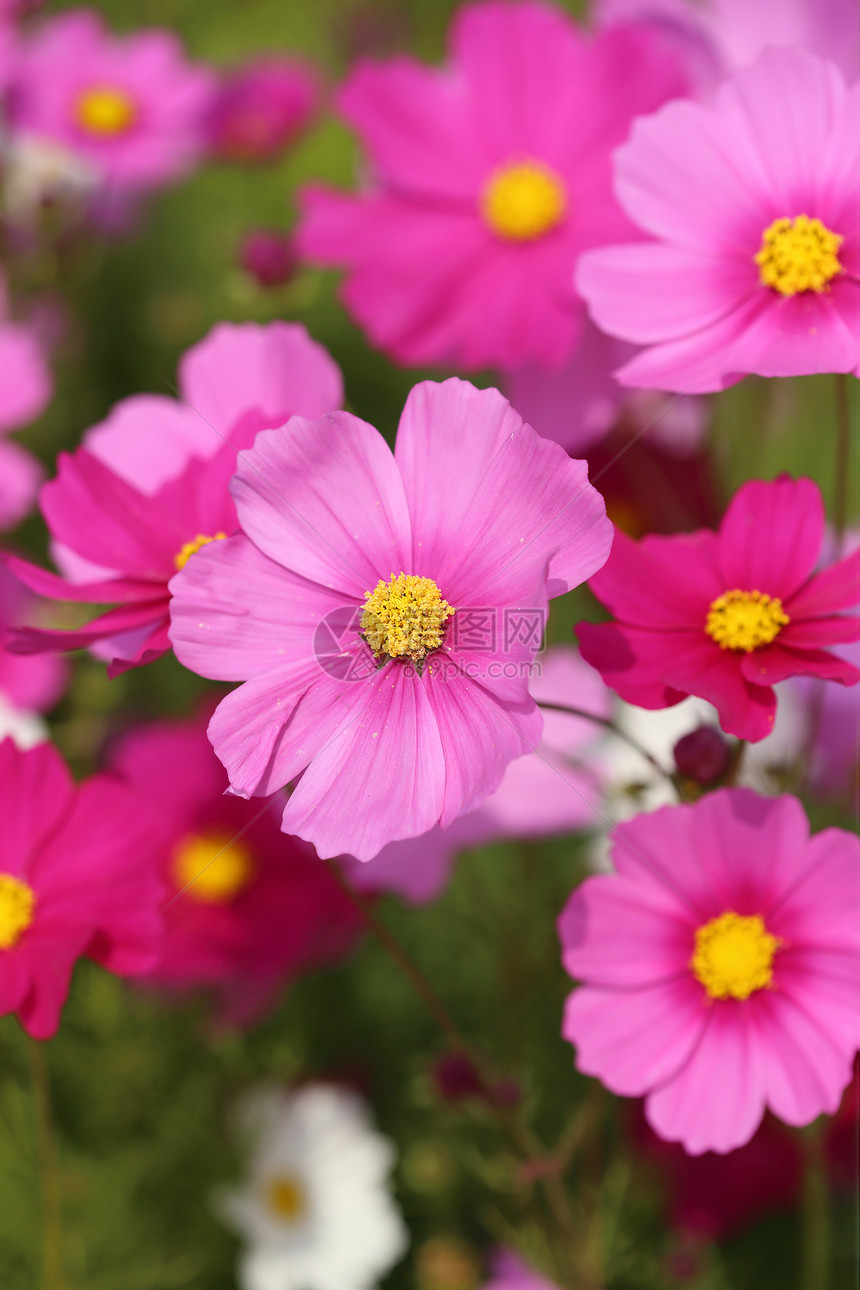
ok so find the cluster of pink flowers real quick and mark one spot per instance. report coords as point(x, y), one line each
point(657, 204)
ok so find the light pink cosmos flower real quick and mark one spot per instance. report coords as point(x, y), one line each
point(262, 107)
point(489, 178)
point(150, 485)
point(383, 611)
point(130, 105)
point(718, 37)
point(726, 616)
point(76, 878)
point(754, 256)
point(247, 909)
point(719, 967)
point(25, 390)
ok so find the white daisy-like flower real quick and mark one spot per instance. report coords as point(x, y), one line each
point(315, 1211)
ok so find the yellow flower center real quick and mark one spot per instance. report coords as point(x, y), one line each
point(734, 956)
point(523, 201)
point(17, 910)
point(105, 110)
point(798, 255)
point(213, 867)
point(745, 620)
point(405, 617)
point(184, 554)
point(285, 1198)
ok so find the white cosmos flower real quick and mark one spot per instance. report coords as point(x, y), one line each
point(315, 1210)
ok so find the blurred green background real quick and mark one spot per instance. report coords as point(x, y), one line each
point(140, 1088)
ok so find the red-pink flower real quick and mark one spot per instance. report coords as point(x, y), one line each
point(489, 177)
point(383, 611)
point(262, 107)
point(719, 967)
point(150, 485)
point(753, 262)
point(727, 615)
point(76, 878)
point(130, 105)
point(247, 909)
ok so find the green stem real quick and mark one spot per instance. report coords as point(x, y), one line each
point(608, 724)
point(533, 1152)
point(49, 1173)
point(815, 1215)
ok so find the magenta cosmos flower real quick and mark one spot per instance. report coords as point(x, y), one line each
point(754, 256)
point(130, 105)
point(383, 611)
point(727, 615)
point(150, 485)
point(262, 107)
point(720, 967)
point(76, 878)
point(248, 910)
point(489, 177)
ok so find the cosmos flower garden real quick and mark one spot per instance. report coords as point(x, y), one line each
point(429, 585)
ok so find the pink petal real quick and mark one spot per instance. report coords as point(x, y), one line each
point(805, 1066)
point(834, 588)
point(634, 1039)
point(20, 477)
point(660, 582)
point(817, 902)
point(716, 1100)
point(516, 499)
point(149, 438)
point(632, 662)
point(36, 791)
point(836, 630)
point(25, 379)
point(151, 616)
point(775, 663)
point(325, 500)
point(771, 536)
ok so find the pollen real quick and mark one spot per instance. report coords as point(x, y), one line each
point(285, 1198)
point(745, 620)
point(17, 910)
point(523, 201)
point(212, 867)
point(184, 554)
point(734, 956)
point(799, 254)
point(405, 618)
point(105, 110)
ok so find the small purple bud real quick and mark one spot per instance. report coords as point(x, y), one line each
point(703, 755)
point(268, 256)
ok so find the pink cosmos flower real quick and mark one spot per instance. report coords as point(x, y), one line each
point(727, 615)
point(719, 967)
point(149, 486)
point(383, 611)
point(248, 909)
point(754, 254)
point(25, 390)
point(130, 105)
point(263, 107)
point(489, 178)
point(76, 879)
point(718, 37)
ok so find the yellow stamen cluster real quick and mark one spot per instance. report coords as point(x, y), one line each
point(212, 867)
point(734, 956)
point(184, 554)
point(523, 201)
point(797, 255)
point(405, 617)
point(105, 110)
point(745, 620)
point(285, 1198)
point(17, 910)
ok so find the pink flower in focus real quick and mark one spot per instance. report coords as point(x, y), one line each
point(25, 390)
point(150, 485)
point(76, 879)
point(489, 177)
point(718, 37)
point(131, 105)
point(719, 967)
point(755, 253)
point(261, 108)
point(726, 616)
point(383, 611)
point(247, 909)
